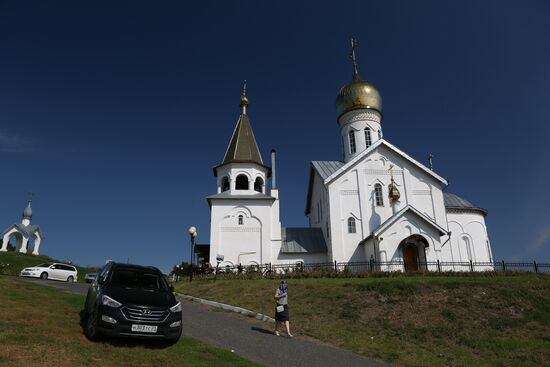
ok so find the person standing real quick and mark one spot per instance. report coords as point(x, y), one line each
point(281, 308)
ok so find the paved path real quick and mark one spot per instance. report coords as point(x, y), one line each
point(248, 337)
point(255, 341)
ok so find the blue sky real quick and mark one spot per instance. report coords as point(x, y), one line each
point(115, 114)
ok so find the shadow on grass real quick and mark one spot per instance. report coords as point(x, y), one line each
point(127, 342)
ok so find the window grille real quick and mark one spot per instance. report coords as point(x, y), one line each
point(352, 142)
point(351, 225)
point(368, 139)
point(378, 195)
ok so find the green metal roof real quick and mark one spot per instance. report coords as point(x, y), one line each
point(243, 146)
point(455, 202)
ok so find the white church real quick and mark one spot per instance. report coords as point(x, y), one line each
point(27, 236)
point(377, 204)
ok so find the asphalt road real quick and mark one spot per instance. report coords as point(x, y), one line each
point(78, 288)
point(249, 338)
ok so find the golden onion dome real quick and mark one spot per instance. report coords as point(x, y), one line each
point(358, 94)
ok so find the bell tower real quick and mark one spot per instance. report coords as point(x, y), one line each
point(244, 217)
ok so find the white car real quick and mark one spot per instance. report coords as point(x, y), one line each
point(55, 271)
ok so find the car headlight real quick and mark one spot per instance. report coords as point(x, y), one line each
point(176, 308)
point(108, 301)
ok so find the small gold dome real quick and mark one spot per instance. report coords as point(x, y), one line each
point(244, 101)
point(358, 94)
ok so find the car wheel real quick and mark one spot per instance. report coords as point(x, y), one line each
point(70, 279)
point(91, 326)
point(44, 276)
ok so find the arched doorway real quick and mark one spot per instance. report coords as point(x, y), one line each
point(413, 249)
point(14, 241)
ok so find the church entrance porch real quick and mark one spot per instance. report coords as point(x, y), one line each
point(413, 249)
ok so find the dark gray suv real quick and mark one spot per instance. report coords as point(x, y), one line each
point(132, 301)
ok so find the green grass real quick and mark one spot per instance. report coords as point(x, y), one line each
point(476, 320)
point(40, 327)
point(11, 263)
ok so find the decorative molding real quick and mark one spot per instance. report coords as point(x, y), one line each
point(240, 229)
point(421, 192)
point(380, 172)
point(464, 210)
point(362, 116)
point(349, 192)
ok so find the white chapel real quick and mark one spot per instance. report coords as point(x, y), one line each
point(378, 203)
point(24, 233)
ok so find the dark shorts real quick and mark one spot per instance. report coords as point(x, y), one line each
point(281, 316)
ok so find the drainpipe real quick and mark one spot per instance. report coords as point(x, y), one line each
point(374, 238)
point(449, 235)
point(273, 176)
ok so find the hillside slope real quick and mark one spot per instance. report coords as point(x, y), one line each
point(477, 320)
point(11, 263)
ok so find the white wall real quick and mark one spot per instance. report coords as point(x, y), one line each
point(352, 194)
point(358, 120)
point(468, 230)
point(407, 225)
point(232, 170)
point(248, 243)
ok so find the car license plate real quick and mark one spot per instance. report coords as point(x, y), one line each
point(144, 328)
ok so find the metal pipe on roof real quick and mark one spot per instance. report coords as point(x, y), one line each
point(273, 176)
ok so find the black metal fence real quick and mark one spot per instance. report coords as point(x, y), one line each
point(355, 268)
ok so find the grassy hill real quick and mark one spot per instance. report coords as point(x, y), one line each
point(11, 263)
point(475, 320)
point(40, 326)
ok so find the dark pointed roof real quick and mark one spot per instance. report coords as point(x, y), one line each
point(243, 146)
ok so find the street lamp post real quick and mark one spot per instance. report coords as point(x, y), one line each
point(192, 234)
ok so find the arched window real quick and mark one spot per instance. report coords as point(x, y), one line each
point(351, 225)
point(258, 184)
point(225, 183)
point(352, 142)
point(378, 195)
point(368, 139)
point(241, 220)
point(241, 183)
